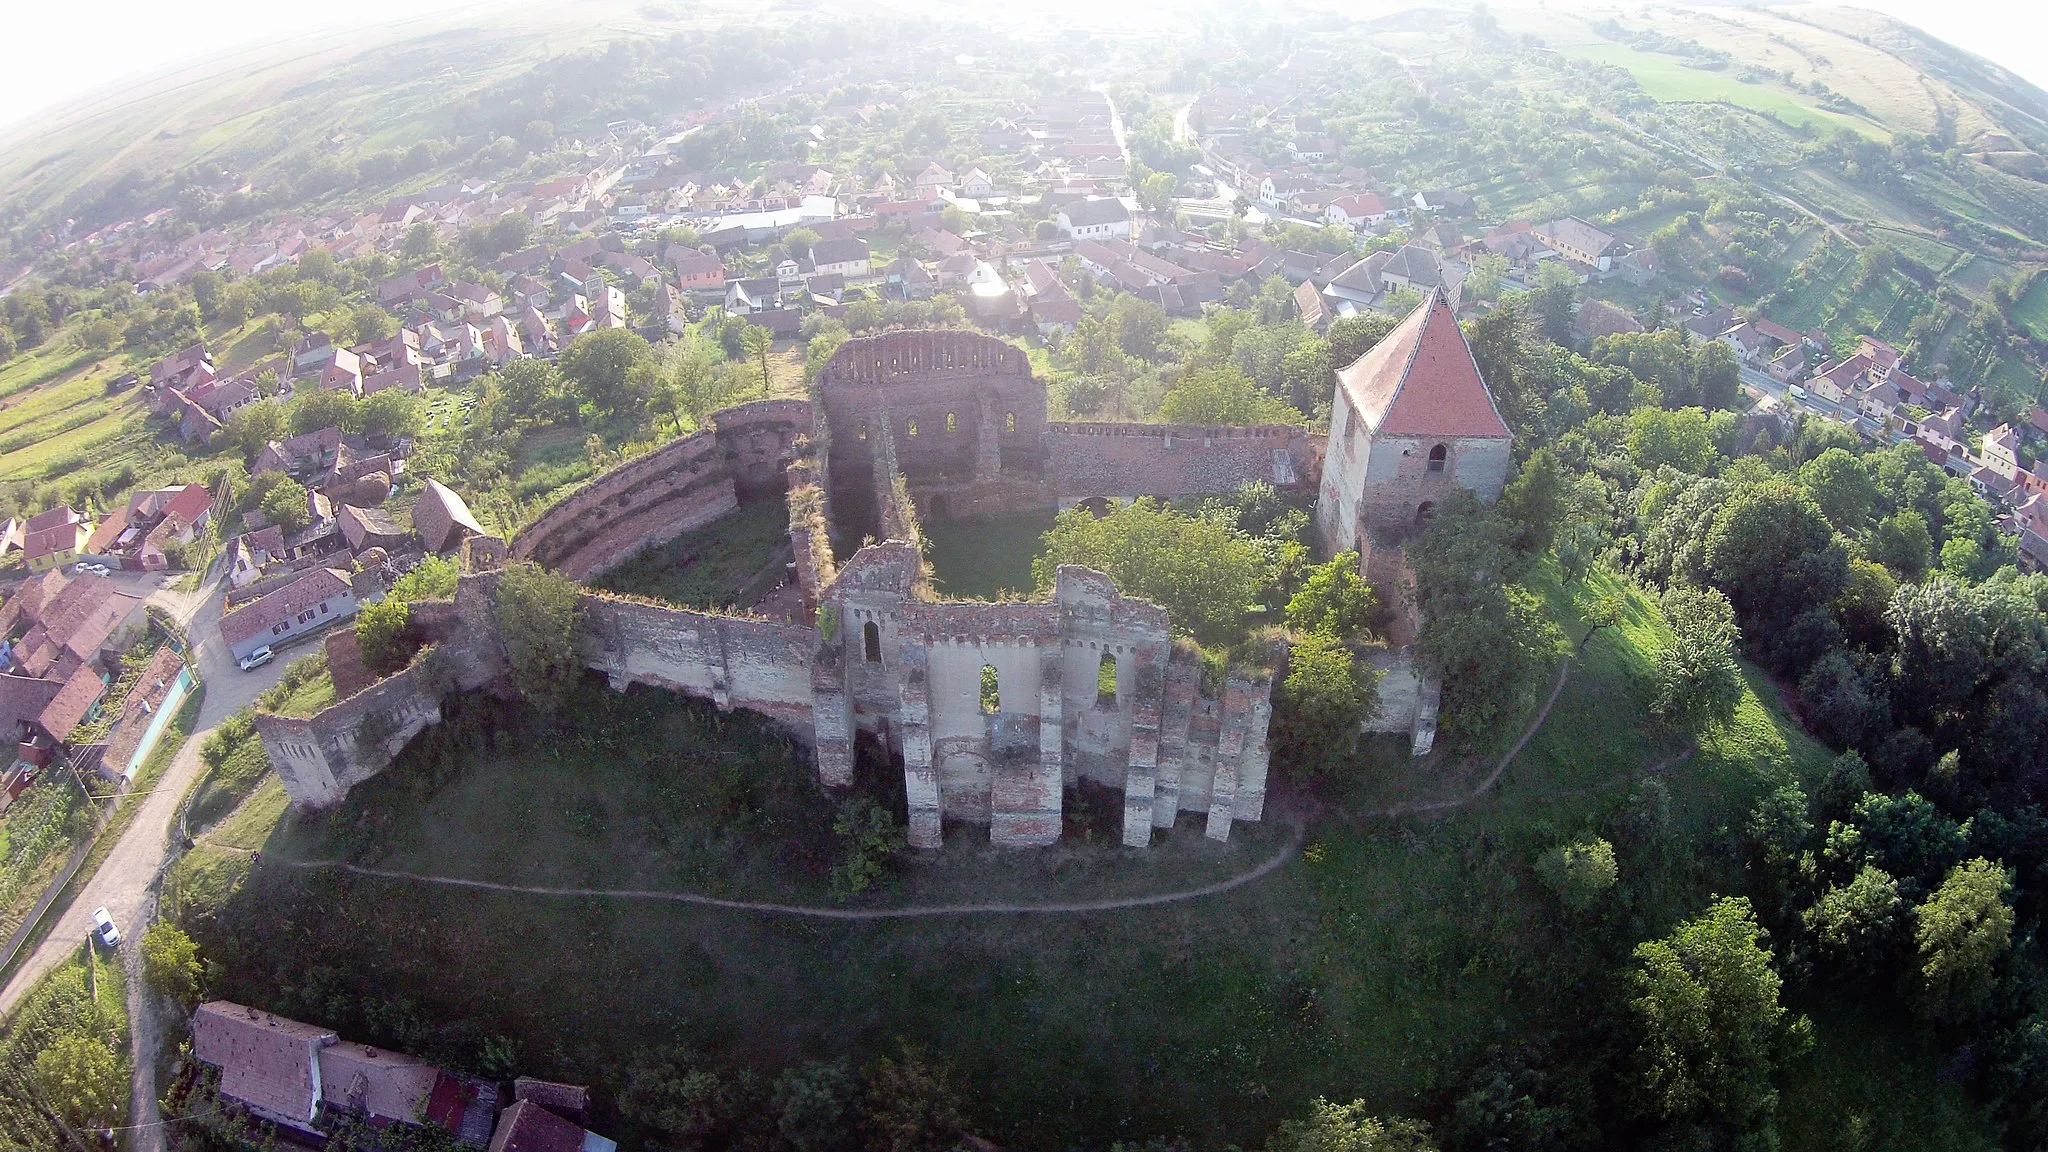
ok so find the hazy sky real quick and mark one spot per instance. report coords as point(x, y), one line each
point(65, 50)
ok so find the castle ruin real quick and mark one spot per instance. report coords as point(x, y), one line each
point(993, 709)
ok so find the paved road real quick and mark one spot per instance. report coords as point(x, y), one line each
point(122, 885)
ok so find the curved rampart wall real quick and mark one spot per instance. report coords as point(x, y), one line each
point(679, 486)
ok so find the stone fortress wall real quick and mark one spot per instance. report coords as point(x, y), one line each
point(678, 487)
point(954, 422)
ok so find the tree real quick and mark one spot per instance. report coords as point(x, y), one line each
point(384, 635)
point(909, 1104)
point(1349, 1128)
point(1223, 395)
point(813, 1106)
point(1579, 872)
point(690, 1104)
point(285, 505)
point(1717, 375)
point(1709, 1022)
point(1964, 930)
point(1325, 696)
point(1481, 633)
point(1902, 543)
point(1205, 574)
point(1534, 503)
point(799, 242)
point(392, 414)
point(1680, 438)
point(1335, 599)
point(421, 241)
point(1353, 336)
point(1842, 488)
point(758, 343)
point(1774, 555)
point(371, 324)
point(1858, 923)
point(325, 408)
point(170, 963)
point(80, 1079)
point(614, 369)
point(1139, 324)
point(1155, 192)
point(872, 838)
point(1696, 676)
point(537, 613)
point(251, 426)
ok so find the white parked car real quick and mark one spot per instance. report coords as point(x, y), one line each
point(91, 568)
point(255, 660)
point(104, 925)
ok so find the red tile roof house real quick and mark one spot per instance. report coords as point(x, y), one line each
point(318, 597)
point(71, 627)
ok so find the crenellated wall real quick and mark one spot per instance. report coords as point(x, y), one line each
point(680, 486)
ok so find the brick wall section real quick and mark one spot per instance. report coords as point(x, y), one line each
point(1128, 460)
point(679, 486)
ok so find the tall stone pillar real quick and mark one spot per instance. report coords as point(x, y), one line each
point(1183, 675)
point(920, 777)
point(1148, 683)
point(1229, 757)
point(1026, 794)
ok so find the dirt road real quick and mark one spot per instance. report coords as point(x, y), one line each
point(122, 884)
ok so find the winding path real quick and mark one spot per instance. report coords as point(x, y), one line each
point(819, 912)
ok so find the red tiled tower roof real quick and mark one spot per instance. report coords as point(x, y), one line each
point(1422, 381)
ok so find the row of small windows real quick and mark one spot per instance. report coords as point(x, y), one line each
point(947, 359)
point(952, 425)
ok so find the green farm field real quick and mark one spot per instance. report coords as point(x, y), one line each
point(1666, 79)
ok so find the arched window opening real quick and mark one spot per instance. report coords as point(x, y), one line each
point(991, 691)
point(871, 642)
point(952, 422)
point(1105, 681)
point(1437, 456)
point(1010, 422)
point(863, 431)
point(910, 429)
point(1423, 512)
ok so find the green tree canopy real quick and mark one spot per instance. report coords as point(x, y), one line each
point(170, 963)
point(1579, 872)
point(614, 370)
point(1710, 1026)
point(1335, 599)
point(80, 1079)
point(1349, 1128)
point(1205, 574)
point(1696, 676)
point(1964, 930)
point(1327, 693)
point(1223, 395)
point(537, 613)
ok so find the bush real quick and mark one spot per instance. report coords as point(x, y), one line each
point(537, 611)
point(872, 838)
point(170, 963)
point(1579, 873)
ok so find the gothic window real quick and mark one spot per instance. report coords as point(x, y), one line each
point(952, 422)
point(910, 429)
point(862, 432)
point(1105, 681)
point(1010, 422)
point(1423, 512)
point(871, 642)
point(991, 691)
point(1437, 456)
